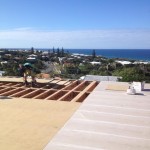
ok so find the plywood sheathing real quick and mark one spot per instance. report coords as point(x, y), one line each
point(30, 124)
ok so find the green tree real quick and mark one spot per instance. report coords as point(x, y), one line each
point(53, 50)
point(130, 74)
point(86, 68)
point(93, 54)
point(32, 50)
point(62, 52)
point(58, 52)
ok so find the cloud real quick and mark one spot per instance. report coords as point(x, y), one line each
point(28, 37)
point(23, 29)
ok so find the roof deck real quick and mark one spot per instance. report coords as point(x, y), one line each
point(72, 114)
point(108, 119)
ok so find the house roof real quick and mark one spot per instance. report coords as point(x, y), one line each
point(100, 78)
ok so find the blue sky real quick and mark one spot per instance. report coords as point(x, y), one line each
point(75, 23)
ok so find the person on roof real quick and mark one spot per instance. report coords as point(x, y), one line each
point(27, 70)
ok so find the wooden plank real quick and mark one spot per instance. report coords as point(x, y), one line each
point(18, 94)
point(70, 85)
point(81, 94)
point(7, 93)
point(53, 95)
point(65, 95)
point(80, 85)
point(43, 94)
point(18, 85)
point(33, 93)
point(5, 90)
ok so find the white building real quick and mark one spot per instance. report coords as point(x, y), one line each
point(95, 63)
point(123, 62)
point(1, 73)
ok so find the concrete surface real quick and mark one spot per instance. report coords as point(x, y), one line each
point(107, 119)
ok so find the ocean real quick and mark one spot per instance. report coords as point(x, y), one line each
point(133, 54)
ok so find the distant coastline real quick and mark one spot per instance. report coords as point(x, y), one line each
point(133, 54)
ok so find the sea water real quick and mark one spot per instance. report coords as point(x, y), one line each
point(134, 54)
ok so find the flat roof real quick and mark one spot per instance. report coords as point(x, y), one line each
point(108, 119)
point(31, 116)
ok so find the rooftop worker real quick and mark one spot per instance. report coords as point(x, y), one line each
point(25, 71)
